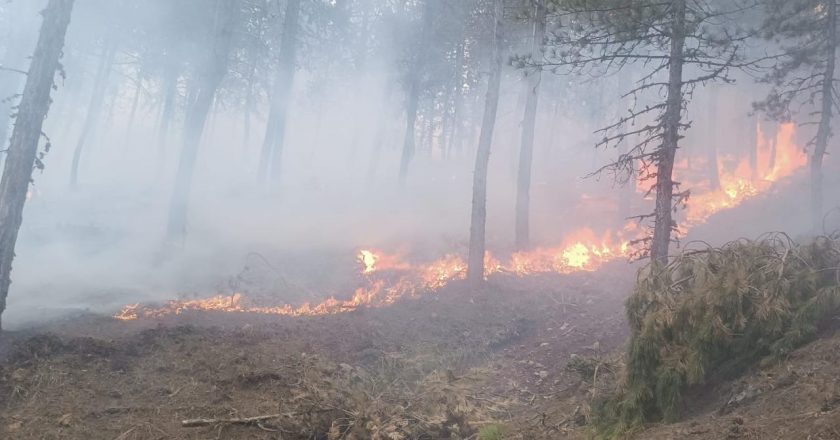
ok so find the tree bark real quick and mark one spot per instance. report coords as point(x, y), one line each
point(272, 150)
point(824, 130)
point(478, 219)
point(23, 147)
point(97, 98)
point(135, 101)
point(456, 137)
point(209, 77)
point(410, 133)
point(249, 107)
point(413, 97)
point(381, 130)
point(10, 83)
point(770, 131)
point(752, 144)
point(529, 123)
point(170, 92)
point(663, 215)
point(712, 147)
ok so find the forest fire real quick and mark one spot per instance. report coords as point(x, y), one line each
point(775, 159)
point(389, 277)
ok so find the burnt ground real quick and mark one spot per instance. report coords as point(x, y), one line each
point(441, 366)
point(522, 355)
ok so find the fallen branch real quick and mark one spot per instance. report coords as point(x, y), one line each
point(195, 423)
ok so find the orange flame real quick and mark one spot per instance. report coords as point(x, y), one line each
point(744, 182)
point(388, 277)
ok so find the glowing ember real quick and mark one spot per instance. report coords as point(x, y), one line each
point(388, 278)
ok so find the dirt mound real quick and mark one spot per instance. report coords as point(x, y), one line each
point(797, 398)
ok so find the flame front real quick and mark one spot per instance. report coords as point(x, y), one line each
point(368, 259)
point(743, 182)
point(389, 277)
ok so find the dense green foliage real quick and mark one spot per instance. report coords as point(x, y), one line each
point(715, 312)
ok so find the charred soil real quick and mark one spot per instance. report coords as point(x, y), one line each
point(446, 365)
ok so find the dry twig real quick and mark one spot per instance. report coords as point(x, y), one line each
point(195, 423)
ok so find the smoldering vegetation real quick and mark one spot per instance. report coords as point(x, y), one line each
point(384, 219)
point(98, 229)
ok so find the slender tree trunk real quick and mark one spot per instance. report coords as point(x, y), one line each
point(170, 91)
point(381, 130)
point(663, 220)
point(446, 121)
point(360, 58)
point(824, 130)
point(770, 130)
point(249, 107)
point(209, 77)
point(135, 101)
point(712, 147)
point(478, 219)
point(431, 128)
point(529, 123)
point(752, 144)
point(23, 147)
point(97, 98)
point(421, 123)
point(414, 94)
point(456, 137)
point(272, 151)
point(10, 84)
point(627, 191)
point(410, 133)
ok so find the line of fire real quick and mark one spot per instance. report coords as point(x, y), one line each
point(419, 219)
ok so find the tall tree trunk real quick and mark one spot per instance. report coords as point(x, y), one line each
point(210, 75)
point(135, 101)
point(23, 147)
point(446, 121)
point(415, 77)
point(456, 137)
point(170, 92)
point(712, 147)
point(770, 131)
point(625, 194)
point(663, 215)
point(381, 130)
point(410, 132)
point(529, 123)
point(752, 144)
point(272, 150)
point(359, 65)
point(249, 107)
point(422, 135)
point(10, 83)
point(97, 98)
point(824, 130)
point(478, 219)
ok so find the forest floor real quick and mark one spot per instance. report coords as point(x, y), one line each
point(525, 355)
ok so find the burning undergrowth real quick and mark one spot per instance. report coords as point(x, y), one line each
point(443, 366)
point(384, 277)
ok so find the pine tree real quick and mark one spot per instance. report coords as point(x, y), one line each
point(667, 38)
point(23, 154)
point(803, 77)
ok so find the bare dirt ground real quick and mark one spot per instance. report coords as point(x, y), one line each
point(441, 366)
point(527, 355)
